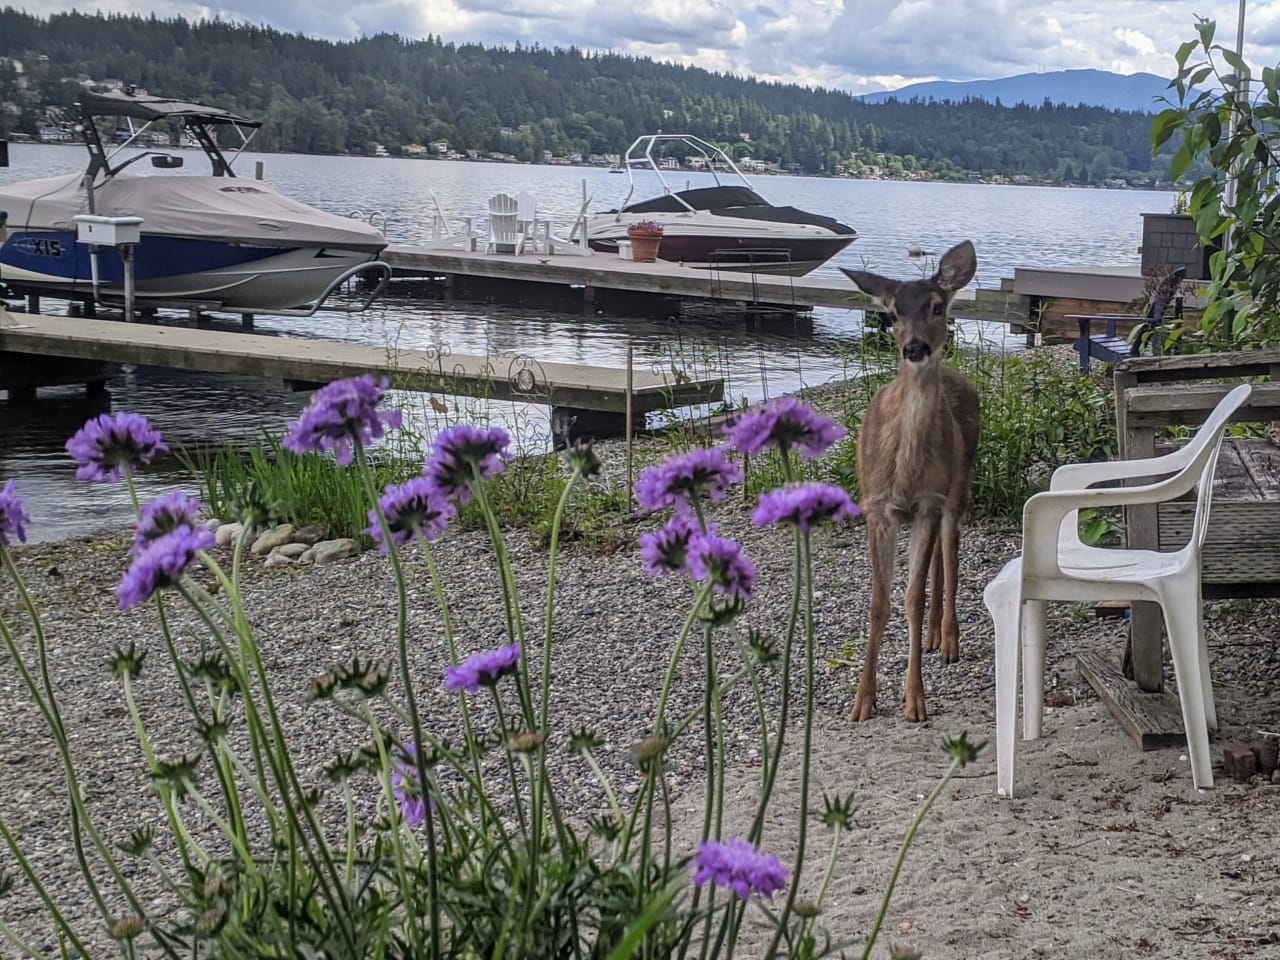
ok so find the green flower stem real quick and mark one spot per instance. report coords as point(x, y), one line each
point(349, 805)
point(48, 704)
point(397, 838)
point(166, 792)
point(830, 869)
point(245, 854)
point(955, 765)
point(806, 755)
point(406, 678)
point(34, 879)
point(703, 593)
point(793, 613)
point(278, 760)
point(511, 767)
point(442, 601)
point(603, 779)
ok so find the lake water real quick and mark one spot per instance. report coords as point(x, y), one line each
point(1010, 226)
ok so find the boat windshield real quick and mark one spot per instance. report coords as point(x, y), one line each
point(704, 198)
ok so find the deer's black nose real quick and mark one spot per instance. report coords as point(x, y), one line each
point(916, 350)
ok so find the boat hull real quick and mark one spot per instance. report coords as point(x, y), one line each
point(236, 276)
point(785, 256)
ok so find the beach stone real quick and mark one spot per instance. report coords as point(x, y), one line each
point(226, 533)
point(275, 559)
point(310, 535)
point(275, 537)
point(330, 551)
point(291, 550)
point(1275, 777)
point(212, 524)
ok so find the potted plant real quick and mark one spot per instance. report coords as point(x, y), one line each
point(645, 236)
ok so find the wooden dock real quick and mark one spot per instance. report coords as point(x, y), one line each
point(594, 395)
point(600, 273)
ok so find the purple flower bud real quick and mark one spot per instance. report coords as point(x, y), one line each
point(13, 515)
point(482, 669)
point(414, 506)
point(783, 423)
point(162, 564)
point(465, 454)
point(740, 867)
point(163, 515)
point(804, 505)
point(680, 479)
point(721, 562)
point(111, 445)
point(340, 415)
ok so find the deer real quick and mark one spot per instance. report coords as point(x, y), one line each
point(916, 451)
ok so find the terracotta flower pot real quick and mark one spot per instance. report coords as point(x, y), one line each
point(644, 246)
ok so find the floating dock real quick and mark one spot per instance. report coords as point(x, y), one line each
point(584, 400)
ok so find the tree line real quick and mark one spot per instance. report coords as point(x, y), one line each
point(326, 97)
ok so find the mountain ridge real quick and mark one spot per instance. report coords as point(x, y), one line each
point(1096, 88)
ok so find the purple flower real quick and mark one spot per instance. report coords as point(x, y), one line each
point(722, 563)
point(482, 669)
point(340, 415)
point(739, 866)
point(804, 504)
point(414, 506)
point(667, 550)
point(463, 455)
point(678, 480)
point(164, 515)
point(13, 514)
point(406, 787)
point(161, 564)
point(783, 423)
point(111, 445)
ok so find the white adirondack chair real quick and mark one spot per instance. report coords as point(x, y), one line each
point(575, 244)
point(527, 223)
point(504, 225)
point(445, 237)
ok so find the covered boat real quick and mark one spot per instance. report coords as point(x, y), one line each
point(219, 241)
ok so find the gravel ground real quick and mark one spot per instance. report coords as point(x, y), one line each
point(963, 892)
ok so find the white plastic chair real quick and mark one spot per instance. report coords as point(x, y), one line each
point(444, 237)
point(1056, 565)
point(504, 225)
point(575, 243)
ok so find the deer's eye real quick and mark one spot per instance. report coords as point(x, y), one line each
point(937, 309)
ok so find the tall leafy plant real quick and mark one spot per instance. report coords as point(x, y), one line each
point(1227, 116)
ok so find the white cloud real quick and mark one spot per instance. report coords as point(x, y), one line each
point(859, 46)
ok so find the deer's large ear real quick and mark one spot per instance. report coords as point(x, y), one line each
point(881, 289)
point(957, 267)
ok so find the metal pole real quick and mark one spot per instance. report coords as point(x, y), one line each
point(1242, 91)
point(126, 254)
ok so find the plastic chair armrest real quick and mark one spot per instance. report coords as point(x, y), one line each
point(1078, 476)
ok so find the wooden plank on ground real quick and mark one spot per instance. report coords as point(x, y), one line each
point(1261, 458)
point(1154, 720)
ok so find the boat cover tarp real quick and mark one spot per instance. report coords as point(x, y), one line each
point(146, 107)
point(245, 211)
point(735, 201)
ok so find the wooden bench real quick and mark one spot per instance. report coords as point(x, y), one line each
point(1242, 550)
point(1241, 556)
point(1113, 345)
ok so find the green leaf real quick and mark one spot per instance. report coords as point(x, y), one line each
point(1206, 28)
point(1162, 127)
point(1184, 51)
point(1180, 162)
point(653, 912)
point(1237, 63)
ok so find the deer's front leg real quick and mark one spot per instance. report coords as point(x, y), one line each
point(881, 537)
point(924, 536)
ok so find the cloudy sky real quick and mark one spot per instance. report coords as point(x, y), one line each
point(855, 45)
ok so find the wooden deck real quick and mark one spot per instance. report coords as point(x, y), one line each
point(559, 385)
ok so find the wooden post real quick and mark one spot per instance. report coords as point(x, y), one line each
point(630, 429)
point(1144, 656)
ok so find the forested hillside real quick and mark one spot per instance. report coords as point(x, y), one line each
point(318, 96)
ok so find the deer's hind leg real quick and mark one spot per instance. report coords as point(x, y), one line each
point(924, 538)
point(936, 593)
point(949, 550)
point(881, 546)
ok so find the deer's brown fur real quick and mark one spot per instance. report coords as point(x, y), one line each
point(916, 450)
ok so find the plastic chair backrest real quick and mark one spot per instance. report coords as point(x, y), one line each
point(526, 207)
point(1214, 430)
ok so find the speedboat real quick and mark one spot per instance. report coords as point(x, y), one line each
point(218, 242)
point(728, 225)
